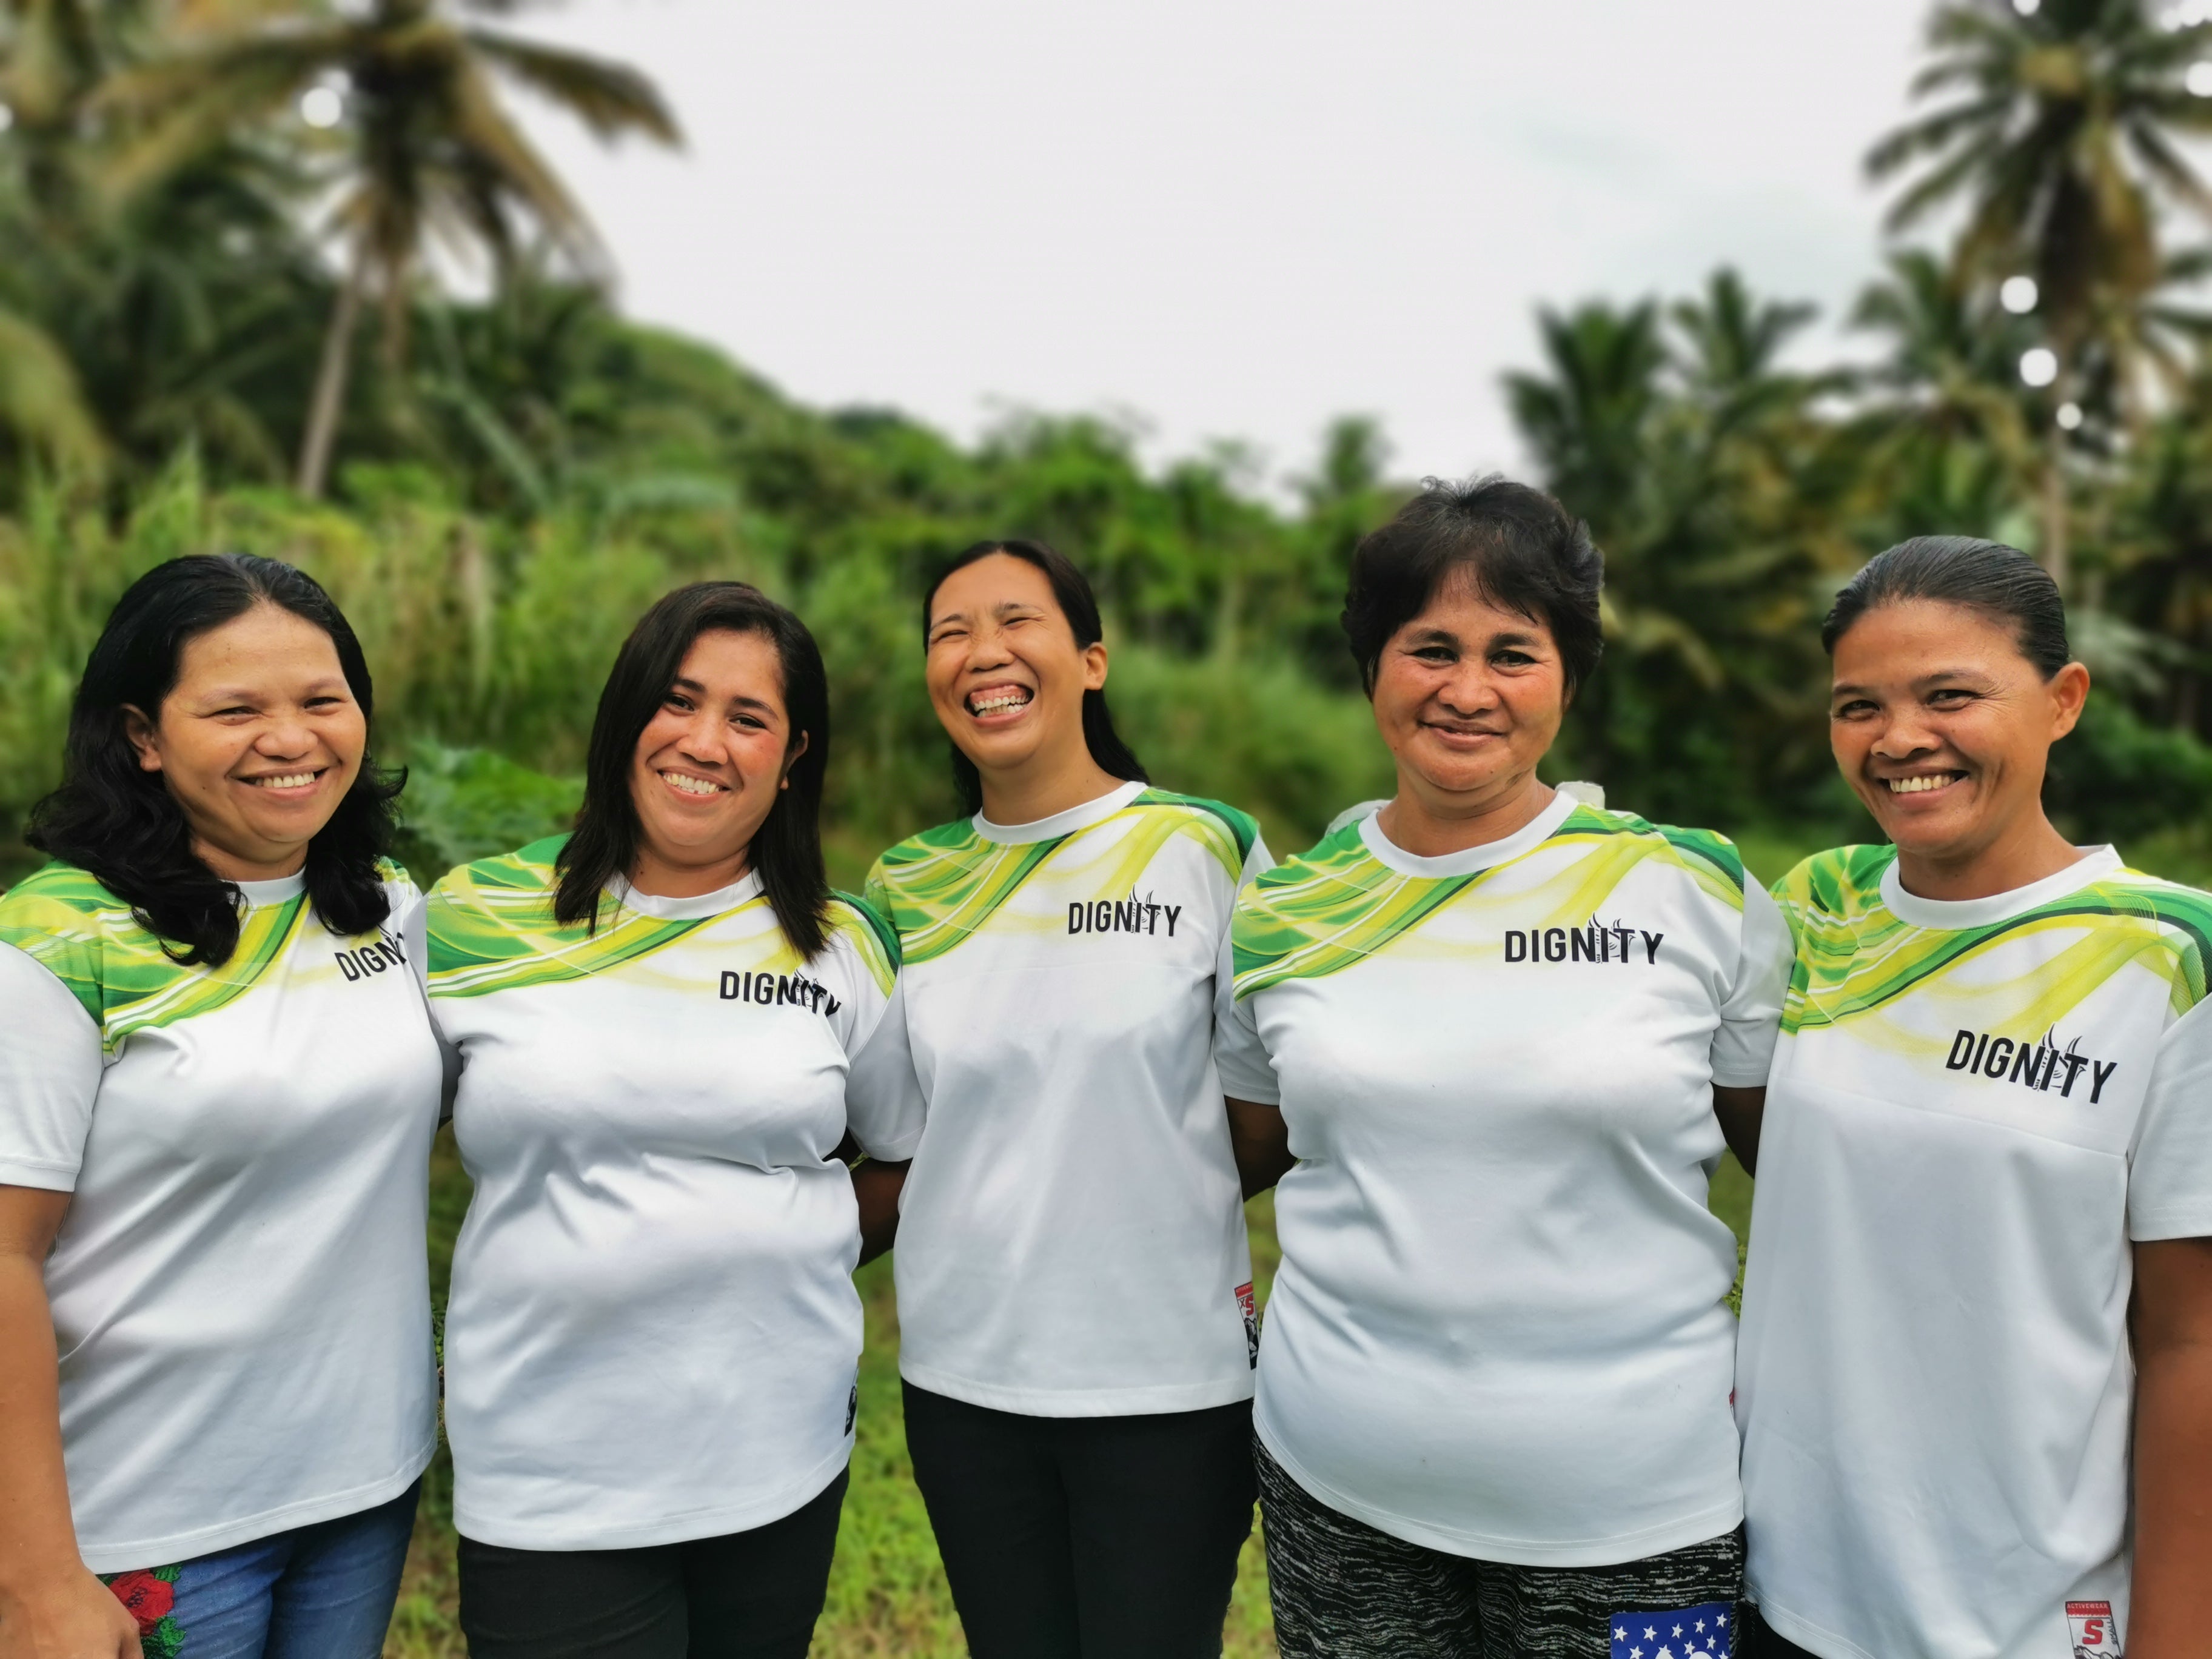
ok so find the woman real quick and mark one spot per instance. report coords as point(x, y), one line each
point(1502, 1034)
point(667, 1026)
point(217, 1094)
point(1075, 1296)
point(1981, 1252)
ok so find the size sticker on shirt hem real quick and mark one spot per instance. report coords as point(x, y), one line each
point(2096, 1635)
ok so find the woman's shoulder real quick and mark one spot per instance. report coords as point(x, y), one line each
point(58, 895)
point(1842, 882)
point(483, 884)
point(1705, 853)
point(63, 919)
point(1213, 821)
point(859, 928)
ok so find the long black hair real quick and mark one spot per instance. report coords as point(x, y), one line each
point(2001, 582)
point(786, 849)
point(118, 822)
point(1072, 589)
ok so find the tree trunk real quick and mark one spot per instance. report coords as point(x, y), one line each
point(2054, 549)
point(329, 401)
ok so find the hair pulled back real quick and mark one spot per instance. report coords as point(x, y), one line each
point(118, 822)
point(2001, 582)
point(1070, 590)
point(1522, 549)
point(786, 848)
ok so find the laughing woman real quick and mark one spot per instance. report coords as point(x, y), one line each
point(217, 1093)
point(1074, 1290)
point(1502, 1034)
point(668, 1028)
point(1981, 1251)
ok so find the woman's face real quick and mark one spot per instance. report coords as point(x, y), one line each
point(258, 741)
point(1469, 697)
point(1004, 673)
point(710, 761)
point(1942, 727)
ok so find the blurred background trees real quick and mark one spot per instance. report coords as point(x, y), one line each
point(201, 200)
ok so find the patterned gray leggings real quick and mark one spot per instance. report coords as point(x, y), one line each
point(1343, 1590)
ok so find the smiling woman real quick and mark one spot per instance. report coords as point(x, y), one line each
point(217, 1091)
point(1986, 1149)
point(671, 1033)
point(1492, 1040)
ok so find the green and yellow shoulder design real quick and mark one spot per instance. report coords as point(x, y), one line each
point(941, 887)
point(1338, 904)
point(491, 928)
point(872, 938)
point(1856, 955)
point(89, 938)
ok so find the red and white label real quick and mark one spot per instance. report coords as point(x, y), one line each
point(2096, 1635)
point(1251, 1311)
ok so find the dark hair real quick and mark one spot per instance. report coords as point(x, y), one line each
point(1072, 589)
point(1522, 549)
point(786, 849)
point(119, 822)
point(2001, 582)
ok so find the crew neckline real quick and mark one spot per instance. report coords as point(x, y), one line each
point(283, 890)
point(1467, 859)
point(1952, 915)
point(697, 907)
point(1094, 811)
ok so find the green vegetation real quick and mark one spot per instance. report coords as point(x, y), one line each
point(495, 489)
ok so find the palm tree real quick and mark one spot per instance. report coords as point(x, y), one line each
point(427, 147)
point(2058, 134)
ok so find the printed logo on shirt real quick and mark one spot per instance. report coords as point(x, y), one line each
point(1600, 941)
point(1129, 915)
point(2096, 1635)
point(1705, 1632)
point(365, 959)
point(777, 990)
point(2039, 1064)
point(1251, 1312)
point(851, 1408)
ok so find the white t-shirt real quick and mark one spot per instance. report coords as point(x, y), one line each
point(653, 1335)
point(240, 1287)
point(1071, 1235)
point(1501, 1327)
point(1975, 1106)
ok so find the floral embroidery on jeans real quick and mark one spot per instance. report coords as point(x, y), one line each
point(149, 1597)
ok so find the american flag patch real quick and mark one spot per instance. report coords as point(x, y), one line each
point(1707, 1631)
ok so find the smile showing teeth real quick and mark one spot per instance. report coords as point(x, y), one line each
point(1921, 784)
point(998, 700)
point(691, 786)
point(285, 781)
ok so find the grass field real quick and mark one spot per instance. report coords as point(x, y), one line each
point(887, 1593)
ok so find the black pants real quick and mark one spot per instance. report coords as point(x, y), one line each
point(747, 1596)
point(1086, 1537)
point(1761, 1641)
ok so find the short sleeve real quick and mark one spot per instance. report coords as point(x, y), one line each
point(50, 1070)
point(411, 923)
point(1246, 1071)
point(2170, 1173)
point(1751, 1013)
point(884, 1104)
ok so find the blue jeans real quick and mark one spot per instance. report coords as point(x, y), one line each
point(318, 1592)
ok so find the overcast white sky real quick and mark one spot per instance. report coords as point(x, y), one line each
point(1228, 218)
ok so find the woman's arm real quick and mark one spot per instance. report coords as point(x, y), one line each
point(2172, 1321)
point(1261, 1142)
point(877, 1186)
point(1739, 1111)
point(50, 1608)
